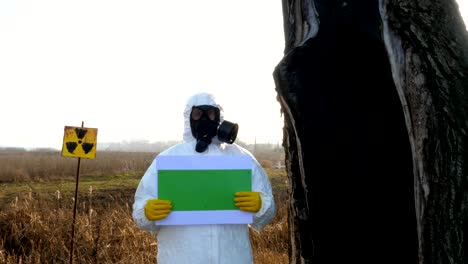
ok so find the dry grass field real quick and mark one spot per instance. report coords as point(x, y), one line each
point(36, 208)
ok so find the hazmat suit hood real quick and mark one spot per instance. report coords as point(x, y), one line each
point(195, 100)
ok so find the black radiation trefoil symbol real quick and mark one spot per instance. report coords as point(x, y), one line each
point(80, 133)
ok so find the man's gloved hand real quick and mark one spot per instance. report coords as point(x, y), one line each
point(156, 209)
point(248, 201)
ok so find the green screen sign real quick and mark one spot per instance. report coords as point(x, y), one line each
point(200, 190)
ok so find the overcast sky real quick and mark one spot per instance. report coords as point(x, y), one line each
point(127, 67)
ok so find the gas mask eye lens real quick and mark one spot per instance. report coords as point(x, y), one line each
point(196, 113)
point(211, 114)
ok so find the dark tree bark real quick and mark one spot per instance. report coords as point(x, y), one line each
point(375, 102)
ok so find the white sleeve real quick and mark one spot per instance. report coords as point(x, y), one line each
point(261, 183)
point(147, 189)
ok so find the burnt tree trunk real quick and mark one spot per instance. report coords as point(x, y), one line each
point(375, 102)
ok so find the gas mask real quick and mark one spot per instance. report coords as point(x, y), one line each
point(204, 123)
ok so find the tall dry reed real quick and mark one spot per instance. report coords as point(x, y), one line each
point(35, 228)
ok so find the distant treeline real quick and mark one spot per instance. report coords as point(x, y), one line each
point(146, 146)
point(7, 150)
point(136, 146)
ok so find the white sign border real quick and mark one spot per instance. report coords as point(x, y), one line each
point(205, 163)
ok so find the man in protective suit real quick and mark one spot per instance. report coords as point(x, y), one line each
point(205, 133)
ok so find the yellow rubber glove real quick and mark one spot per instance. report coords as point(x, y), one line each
point(248, 201)
point(156, 209)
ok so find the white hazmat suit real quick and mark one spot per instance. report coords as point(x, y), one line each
point(204, 244)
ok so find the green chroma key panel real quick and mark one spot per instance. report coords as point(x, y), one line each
point(200, 190)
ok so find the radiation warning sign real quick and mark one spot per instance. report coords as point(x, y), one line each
point(79, 142)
